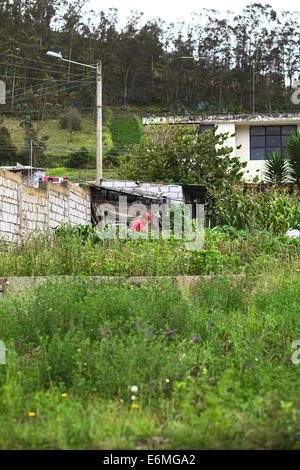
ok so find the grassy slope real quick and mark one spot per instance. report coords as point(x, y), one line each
point(58, 142)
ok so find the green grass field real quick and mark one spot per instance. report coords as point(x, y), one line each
point(111, 367)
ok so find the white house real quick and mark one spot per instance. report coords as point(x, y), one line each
point(255, 135)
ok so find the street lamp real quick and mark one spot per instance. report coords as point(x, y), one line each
point(98, 68)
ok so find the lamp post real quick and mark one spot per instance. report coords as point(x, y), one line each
point(98, 69)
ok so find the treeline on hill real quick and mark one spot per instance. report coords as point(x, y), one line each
point(241, 63)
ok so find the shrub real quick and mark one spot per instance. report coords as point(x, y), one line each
point(293, 152)
point(81, 159)
point(277, 169)
point(71, 121)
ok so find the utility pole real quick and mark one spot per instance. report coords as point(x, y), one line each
point(98, 69)
point(99, 123)
point(31, 161)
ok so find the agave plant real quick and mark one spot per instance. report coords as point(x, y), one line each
point(277, 169)
point(293, 152)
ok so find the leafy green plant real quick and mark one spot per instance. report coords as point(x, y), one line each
point(277, 169)
point(293, 152)
point(106, 366)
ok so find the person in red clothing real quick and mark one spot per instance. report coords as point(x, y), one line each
point(142, 223)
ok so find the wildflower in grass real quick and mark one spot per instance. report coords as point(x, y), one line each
point(141, 325)
point(64, 395)
point(248, 367)
point(134, 388)
point(169, 337)
point(150, 332)
point(172, 332)
point(129, 310)
point(204, 371)
point(107, 334)
point(196, 338)
point(135, 323)
point(167, 381)
point(78, 350)
point(152, 384)
point(219, 373)
point(30, 413)
point(132, 304)
point(135, 405)
point(100, 329)
point(133, 397)
point(214, 383)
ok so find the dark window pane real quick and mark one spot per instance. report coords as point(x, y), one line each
point(257, 141)
point(257, 130)
point(287, 130)
point(273, 149)
point(273, 141)
point(273, 130)
point(284, 139)
point(205, 127)
point(257, 154)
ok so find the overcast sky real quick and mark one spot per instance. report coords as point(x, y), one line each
point(173, 10)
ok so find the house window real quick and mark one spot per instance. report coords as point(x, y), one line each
point(204, 127)
point(267, 139)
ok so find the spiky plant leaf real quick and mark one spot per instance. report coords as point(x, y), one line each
point(293, 152)
point(277, 169)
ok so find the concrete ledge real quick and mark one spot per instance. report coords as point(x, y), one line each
point(17, 284)
point(11, 176)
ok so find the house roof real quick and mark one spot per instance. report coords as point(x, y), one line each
point(225, 118)
point(21, 168)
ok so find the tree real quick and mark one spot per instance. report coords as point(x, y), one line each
point(8, 152)
point(177, 153)
point(72, 122)
point(38, 144)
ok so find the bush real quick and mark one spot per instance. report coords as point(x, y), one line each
point(274, 210)
point(293, 152)
point(277, 169)
point(81, 159)
point(71, 121)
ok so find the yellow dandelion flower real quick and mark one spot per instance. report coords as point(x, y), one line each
point(135, 405)
point(30, 413)
point(64, 395)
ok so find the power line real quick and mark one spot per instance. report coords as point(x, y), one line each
point(41, 62)
point(25, 96)
point(48, 88)
point(39, 70)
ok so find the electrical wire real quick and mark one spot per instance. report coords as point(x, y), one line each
point(33, 68)
point(47, 88)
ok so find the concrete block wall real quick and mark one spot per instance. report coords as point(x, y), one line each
point(171, 191)
point(26, 209)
